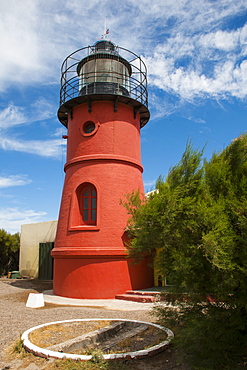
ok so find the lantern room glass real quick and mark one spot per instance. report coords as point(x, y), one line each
point(104, 70)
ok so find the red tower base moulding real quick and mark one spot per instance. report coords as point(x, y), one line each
point(87, 276)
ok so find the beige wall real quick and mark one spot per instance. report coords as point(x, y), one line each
point(31, 236)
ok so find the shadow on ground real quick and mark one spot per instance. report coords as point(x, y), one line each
point(33, 284)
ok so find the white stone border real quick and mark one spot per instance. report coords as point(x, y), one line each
point(42, 352)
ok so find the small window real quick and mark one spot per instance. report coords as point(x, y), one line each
point(89, 128)
point(89, 205)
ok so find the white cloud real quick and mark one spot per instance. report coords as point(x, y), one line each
point(200, 66)
point(197, 120)
point(149, 183)
point(35, 39)
point(11, 219)
point(43, 148)
point(20, 42)
point(59, 132)
point(184, 41)
point(161, 106)
point(12, 116)
point(42, 109)
point(221, 40)
point(14, 180)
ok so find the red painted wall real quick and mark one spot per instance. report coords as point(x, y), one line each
point(90, 261)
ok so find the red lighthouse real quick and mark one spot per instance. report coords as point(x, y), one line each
point(103, 105)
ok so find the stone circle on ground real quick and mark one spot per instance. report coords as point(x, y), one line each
point(114, 338)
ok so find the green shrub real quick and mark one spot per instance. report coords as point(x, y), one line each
point(209, 335)
point(196, 226)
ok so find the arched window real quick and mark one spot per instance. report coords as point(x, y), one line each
point(83, 211)
point(89, 205)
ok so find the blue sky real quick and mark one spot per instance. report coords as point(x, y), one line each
point(196, 54)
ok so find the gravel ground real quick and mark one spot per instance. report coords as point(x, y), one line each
point(16, 318)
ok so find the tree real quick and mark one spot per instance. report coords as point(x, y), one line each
point(9, 251)
point(196, 225)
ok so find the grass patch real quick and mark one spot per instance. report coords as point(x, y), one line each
point(18, 349)
point(68, 364)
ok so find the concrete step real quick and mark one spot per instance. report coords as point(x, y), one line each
point(143, 293)
point(136, 297)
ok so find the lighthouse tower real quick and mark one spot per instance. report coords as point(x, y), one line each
point(103, 105)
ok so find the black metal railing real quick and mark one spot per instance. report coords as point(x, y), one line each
point(133, 86)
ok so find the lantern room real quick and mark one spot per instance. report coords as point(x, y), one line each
point(103, 71)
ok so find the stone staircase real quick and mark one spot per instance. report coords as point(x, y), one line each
point(139, 296)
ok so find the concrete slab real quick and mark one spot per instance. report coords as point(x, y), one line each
point(110, 304)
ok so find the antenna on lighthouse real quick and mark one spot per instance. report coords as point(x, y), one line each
point(106, 32)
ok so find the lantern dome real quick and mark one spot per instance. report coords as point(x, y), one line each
point(105, 45)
